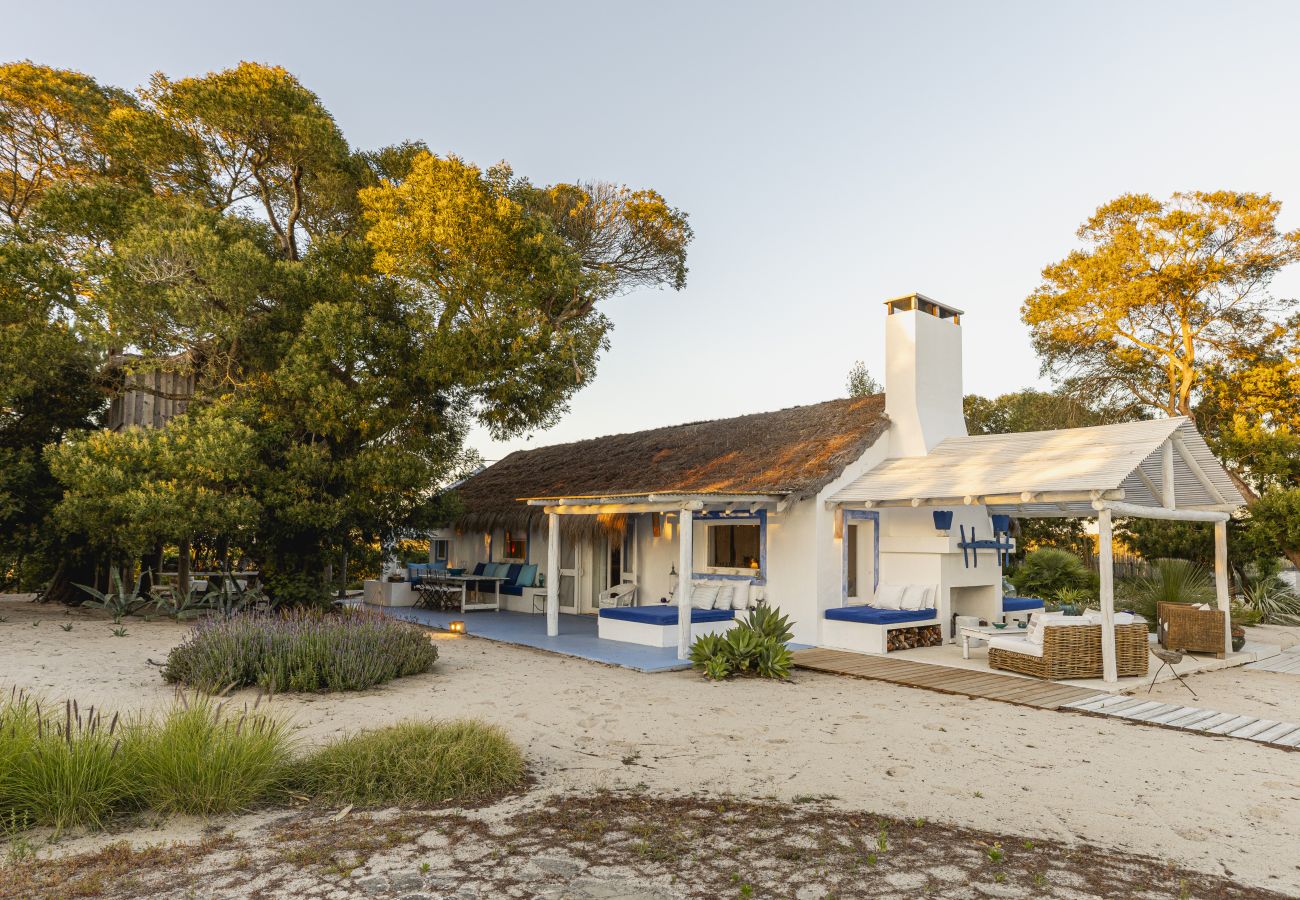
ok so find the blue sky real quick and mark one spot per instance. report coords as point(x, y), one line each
point(830, 155)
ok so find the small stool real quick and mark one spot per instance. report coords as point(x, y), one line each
point(1169, 658)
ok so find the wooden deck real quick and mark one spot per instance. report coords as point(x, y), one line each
point(1287, 662)
point(945, 679)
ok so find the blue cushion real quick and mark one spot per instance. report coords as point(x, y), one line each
point(498, 569)
point(478, 569)
point(664, 614)
point(511, 574)
point(439, 565)
point(511, 590)
point(873, 616)
point(527, 576)
point(1020, 604)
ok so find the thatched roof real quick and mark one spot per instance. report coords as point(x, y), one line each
point(795, 451)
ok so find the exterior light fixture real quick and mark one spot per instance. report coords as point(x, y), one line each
point(942, 520)
point(456, 627)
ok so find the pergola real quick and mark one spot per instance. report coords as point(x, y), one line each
point(684, 505)
point(1160, 469)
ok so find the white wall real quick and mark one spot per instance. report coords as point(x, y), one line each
point(923, 381)
point(913, 552)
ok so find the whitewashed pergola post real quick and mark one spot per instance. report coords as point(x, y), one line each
point(552, 574)
point(685, 563)
point(1221, 582)
point(1106, 566)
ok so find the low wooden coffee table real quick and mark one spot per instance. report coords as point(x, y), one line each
point(984, 632)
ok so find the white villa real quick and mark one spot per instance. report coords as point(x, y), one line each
point(872, 522)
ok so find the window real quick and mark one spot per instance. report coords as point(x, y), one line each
point(734, 546)
point(440, 551)
point(516, 545)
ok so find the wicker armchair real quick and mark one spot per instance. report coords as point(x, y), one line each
point(1074, 651)
point(1184, 627)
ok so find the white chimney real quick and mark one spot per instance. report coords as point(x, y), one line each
point(923, 390)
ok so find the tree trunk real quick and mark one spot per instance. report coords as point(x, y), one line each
point(343, 582)
point(183, 569)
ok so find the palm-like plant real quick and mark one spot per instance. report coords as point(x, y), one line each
point(1170, 581)
point(1265, 598)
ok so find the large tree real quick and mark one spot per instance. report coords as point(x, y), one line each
point(1160, 293)
point(347, 315)
point(1167, 306)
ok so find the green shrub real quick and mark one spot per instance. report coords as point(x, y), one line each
point(63, 768)
point(204, 759)
point(418, 763)
point(300, 650)
point(754, 646)
point(1266, 598)
point(1047, 571)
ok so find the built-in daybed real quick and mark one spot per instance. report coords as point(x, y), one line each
point(656, 626)
point(866, 628)
point(714, 608)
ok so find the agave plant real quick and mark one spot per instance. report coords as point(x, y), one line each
point(1266, 598)
point(229, 598)
point(769, 623)
point(754, 646)
point(706, 649)
point(172, 604)
point(118, 602)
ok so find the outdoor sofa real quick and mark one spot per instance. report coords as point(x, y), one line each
point(1058, 646)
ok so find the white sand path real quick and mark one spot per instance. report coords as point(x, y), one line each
point(1216, 804)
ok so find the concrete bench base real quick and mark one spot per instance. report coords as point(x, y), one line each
point(863, 637)
point(654, 635)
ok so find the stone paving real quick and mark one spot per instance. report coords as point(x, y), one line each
point(610, 846)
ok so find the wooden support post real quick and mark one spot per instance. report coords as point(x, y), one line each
point(685, 563)
point(1221, 582)
point(552, 575)
point(1106, 559)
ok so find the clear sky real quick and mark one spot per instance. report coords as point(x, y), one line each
point(830, 155)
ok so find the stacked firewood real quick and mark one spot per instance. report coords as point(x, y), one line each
point(910, 638)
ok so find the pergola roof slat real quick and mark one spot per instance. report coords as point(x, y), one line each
point(1126, 457)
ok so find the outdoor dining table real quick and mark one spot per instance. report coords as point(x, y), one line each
point(463, 583)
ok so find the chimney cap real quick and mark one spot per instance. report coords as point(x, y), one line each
point(922, 303)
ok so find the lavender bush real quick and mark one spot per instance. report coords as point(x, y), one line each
point(300, 650)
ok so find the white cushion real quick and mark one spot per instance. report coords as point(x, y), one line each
point(917, 596)
point(889, 596)
point(703, 595)
point(725, 594)
point(740, 597)
point(1067, 620)
point(1016, 645)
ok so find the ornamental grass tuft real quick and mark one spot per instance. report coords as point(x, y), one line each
point(205, 759)
point(300, 650)
point(415, 763)
point(61, 766)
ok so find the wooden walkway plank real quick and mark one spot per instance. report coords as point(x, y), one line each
point(1049, 695)
point(944, 679)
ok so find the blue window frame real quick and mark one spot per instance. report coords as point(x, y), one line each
point(851, 518)
point(758, 575)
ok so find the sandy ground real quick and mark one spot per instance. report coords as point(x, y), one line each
point(1219, 805)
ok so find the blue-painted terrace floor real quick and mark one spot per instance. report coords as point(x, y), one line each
point(577, 636)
